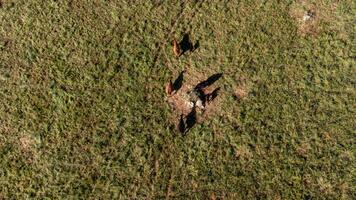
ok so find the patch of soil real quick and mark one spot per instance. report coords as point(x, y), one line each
point(240, 93)
point(310, 15)
point(180, 103)
point(212, 107)
point(26, 145)
point(309, 26)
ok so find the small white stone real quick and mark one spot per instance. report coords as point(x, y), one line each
point(306, 17)
point(200, 104)
point(190, 104)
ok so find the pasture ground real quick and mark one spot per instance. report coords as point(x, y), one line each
point(83, 113)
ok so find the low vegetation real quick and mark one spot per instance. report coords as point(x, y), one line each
point(84, 113)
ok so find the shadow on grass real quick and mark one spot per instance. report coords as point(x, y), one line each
point(211, 96)
point(212, 79)
point(191, 120)
point(187, 45)
point(178, 82)
point(181, 124)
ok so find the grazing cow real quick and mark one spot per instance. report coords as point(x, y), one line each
point(169, 88)
point(176, 48)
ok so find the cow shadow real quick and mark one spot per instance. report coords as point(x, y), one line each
point(212, 79)
point(187, 45)
point(177, 84)
point(191, 120)
point(211, 96)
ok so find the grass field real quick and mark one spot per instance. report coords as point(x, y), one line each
point(84, 115)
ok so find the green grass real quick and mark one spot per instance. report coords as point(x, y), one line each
point(83, 112)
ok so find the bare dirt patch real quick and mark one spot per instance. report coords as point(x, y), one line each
point(311, 15)
point(241, 93)
point(25, 143)
point(27, 146)
point(242, 89)
point(180, 102)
